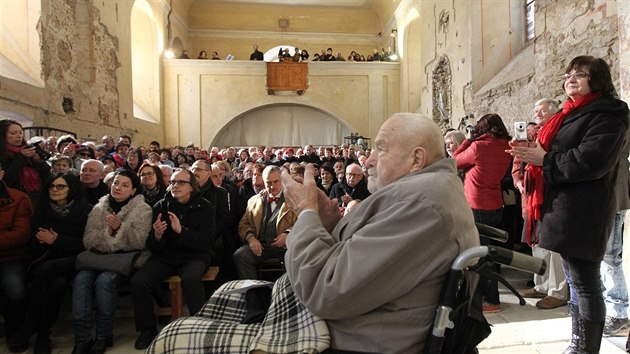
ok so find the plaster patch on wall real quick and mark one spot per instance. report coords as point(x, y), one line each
point(442, 82)
point(80, 60)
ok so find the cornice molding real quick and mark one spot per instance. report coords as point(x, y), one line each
point(284, 35)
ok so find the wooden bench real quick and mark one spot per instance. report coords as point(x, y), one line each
point(177, 300)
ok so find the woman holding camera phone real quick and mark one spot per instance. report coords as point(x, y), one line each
point(484, 159)
point(571, 175)
point(24, 168)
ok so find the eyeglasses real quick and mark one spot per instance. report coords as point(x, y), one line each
point(194, 169)
point(84, 154)
point(147, 174)
point(353, 174)
point(577, 75)
point(178, 182)
point(58, 187)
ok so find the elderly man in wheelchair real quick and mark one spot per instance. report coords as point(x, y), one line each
point(368, 283)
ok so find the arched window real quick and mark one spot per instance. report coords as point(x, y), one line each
point(146, 48)
point(20, 57)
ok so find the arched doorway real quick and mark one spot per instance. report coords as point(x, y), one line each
point(282, 125)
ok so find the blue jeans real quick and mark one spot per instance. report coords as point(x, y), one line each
point(585, 283)
point(12, 293)
point(89, 286)
point(614, 283)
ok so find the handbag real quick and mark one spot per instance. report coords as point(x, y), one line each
point(123, 263)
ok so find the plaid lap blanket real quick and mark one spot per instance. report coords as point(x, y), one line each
point(288, 326)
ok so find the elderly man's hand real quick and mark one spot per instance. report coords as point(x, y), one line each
point(300, 196)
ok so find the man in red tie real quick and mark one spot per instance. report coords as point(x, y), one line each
point(264, 226)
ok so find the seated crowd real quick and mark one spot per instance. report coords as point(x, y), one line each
point(190, 208)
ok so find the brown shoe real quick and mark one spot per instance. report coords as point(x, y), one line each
point(531, 292)
point(550, 302)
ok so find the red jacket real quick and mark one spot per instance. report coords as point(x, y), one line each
point(15, 224)
point(485, 162)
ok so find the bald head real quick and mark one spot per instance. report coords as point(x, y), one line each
point(418, 130)
point(405, 143)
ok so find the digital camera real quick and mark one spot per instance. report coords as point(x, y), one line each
point(43, 154)
point(520, 131)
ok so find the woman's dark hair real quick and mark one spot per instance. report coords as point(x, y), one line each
point(170, 157)
point(158, 174)
point(328, 166)
point(135, 180)
point(4, 128)
point(599, 79)
point(75, 188)
point(493, 125)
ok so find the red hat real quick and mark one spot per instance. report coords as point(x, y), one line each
point(289, 149)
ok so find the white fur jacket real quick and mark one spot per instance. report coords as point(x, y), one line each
point(133, 232)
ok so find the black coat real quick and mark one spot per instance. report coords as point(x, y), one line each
point(580, 169)
point(197, 236)
point(69, 231)
point(360, 191)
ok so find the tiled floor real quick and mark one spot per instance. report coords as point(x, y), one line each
point(516, 329)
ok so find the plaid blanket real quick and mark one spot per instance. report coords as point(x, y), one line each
point(288, 326)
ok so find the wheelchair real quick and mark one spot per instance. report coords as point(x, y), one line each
point(459, 325)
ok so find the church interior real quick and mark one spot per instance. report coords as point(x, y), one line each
point(456, 60)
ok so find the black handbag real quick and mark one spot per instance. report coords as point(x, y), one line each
point(123, 263)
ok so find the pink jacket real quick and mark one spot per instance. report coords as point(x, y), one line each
point(485, 162)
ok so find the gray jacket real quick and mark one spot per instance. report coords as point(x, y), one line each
point(133, 232)
point(377, 278)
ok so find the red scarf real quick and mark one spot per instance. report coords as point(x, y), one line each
point(534, 180)
point(29, 178)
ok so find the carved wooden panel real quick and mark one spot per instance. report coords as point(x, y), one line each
point(287, 76)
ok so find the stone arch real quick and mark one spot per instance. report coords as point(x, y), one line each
point(282, 124)
point(442, 83)
point(20, 38)
point(146, 48)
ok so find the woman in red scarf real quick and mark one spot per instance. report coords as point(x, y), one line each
point(570, 181)
point(25, 170)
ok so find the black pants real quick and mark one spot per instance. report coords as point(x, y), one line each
point(51, 281)
point(489, 288)
point(149, 279)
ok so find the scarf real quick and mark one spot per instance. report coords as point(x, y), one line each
point(116, 206)
point(534, 180)
point(61, 210)
point(29, 179)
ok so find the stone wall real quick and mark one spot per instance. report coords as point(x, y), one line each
point(564, 30)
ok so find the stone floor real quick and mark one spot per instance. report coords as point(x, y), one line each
point(516, 329)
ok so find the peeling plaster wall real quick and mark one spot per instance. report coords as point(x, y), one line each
point(85, 57)
point(564, 30)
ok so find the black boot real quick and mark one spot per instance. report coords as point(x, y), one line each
point(577, 332)
point(101, 344)
point(83, 347)
point(18, 340)
point(42, 343)
point(592, 340)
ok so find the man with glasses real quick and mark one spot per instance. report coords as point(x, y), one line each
point(354, 187)
point(180, 241)
point(108, 141)
point(264, 227)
